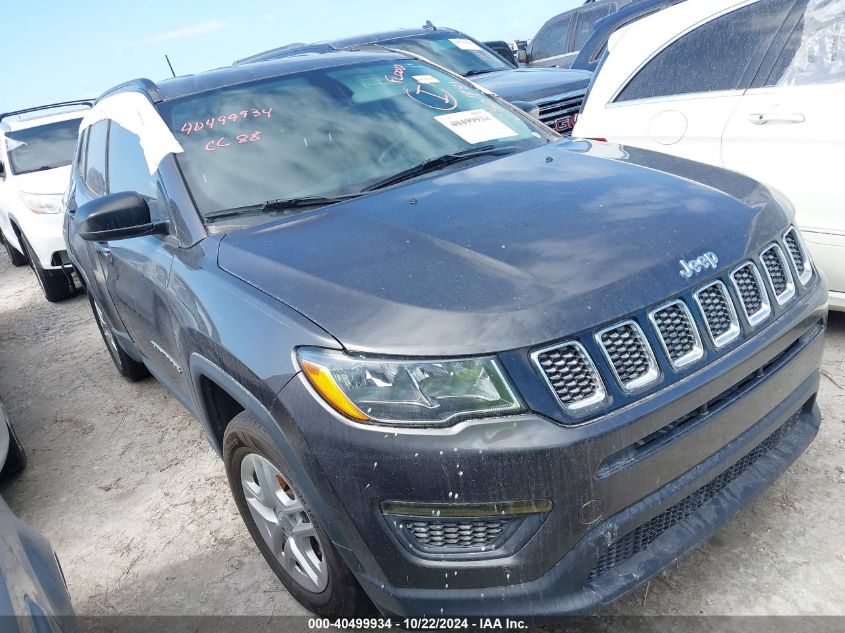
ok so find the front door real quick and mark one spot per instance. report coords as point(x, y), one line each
point(137, 270)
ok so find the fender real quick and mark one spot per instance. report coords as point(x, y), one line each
point(199, 367)
point(15, 238)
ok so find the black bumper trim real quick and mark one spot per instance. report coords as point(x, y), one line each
point(644, 535)
point(553, 597)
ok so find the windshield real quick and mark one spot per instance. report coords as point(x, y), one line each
point(42, 147)
point(451, 50)
point(332, 131)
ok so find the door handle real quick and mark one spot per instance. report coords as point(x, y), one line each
point(762, 118)
point(103, 249)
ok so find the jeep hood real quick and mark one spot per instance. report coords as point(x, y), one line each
point(513, 252)
point(533, 84)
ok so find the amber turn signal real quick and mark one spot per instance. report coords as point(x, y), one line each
point(322, 381)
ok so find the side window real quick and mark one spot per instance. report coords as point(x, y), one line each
point(712, 57)
point(80, 154)
point(95, 158)
point(552, 40)
point(586, 24)
point(128, 170)
point(815, 50)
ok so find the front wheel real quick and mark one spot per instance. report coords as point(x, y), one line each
point(17, 258)
point(57, 285)
point(283, 525)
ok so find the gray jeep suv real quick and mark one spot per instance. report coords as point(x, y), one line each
point(455, 365)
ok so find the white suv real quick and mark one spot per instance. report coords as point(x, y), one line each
point(36, 150)
point(754, 86)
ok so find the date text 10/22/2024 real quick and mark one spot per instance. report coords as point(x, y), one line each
point(419, 624)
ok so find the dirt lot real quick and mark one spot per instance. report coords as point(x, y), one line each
point(137, 505)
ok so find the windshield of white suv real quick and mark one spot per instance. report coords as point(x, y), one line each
point(334, 132)
point(42, 147)
point(451, 50)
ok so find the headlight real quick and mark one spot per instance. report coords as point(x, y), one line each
point(414, 392)
point(43, 202)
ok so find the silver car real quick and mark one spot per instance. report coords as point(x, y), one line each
point(33, 594)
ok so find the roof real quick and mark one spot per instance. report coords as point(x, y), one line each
point(634, 44)
point(346, 42)
point(232, 75)
point(587, 57)
point(586, 7)
point(47, 113)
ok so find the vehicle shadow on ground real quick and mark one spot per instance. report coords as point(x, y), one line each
point(836, 323)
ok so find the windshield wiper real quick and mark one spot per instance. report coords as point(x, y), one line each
point(481, 71)
point(433, 164)
point(283, 204)
point(41, 168)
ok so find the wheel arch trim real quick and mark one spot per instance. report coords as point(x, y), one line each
point(201, 367)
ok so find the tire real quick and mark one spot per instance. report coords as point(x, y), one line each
point(247, 448)
point(16, 458)
point(57, 285)
point(126, 366)
point(17, 258)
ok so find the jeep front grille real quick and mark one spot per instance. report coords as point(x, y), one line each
point(718, 312)
point(629, 355)
point(680, 326)
point(777, 271)
point(798, 255)
point(753, 297)
point(677, 333)
point(571, 374)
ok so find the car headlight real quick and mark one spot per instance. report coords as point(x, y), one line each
point(412, 392)
point(43, 202)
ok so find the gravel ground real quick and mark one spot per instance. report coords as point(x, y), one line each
point(137, 505)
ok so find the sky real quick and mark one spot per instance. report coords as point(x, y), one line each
point(55, 50)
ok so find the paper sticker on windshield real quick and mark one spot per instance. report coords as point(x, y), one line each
point(465, 44)
point(475, 126)
point(426, 79)
point(12, 144)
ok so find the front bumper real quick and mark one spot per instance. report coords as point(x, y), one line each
point(45, 236)
point(586, 552)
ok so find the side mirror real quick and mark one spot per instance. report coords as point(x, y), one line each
point(118, 216)
point(531, 109)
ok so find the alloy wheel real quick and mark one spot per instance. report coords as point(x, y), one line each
point(283, 522)
point(107, 333)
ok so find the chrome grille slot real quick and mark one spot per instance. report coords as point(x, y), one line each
point(677, 333)
point(571, 374)
point(752, 295)
point(718, 312)
point(778, 273)
point(798, 255)
point(629, 355)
